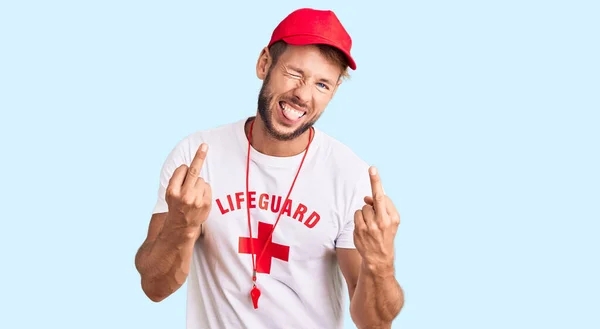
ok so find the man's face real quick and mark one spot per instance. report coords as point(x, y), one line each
point(296, 90)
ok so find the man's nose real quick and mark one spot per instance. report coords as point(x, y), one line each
point(303, 93)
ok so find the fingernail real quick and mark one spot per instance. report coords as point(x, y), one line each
point(373, 171)
point(203, 147)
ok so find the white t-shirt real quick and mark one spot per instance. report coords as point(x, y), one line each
point(299, 278)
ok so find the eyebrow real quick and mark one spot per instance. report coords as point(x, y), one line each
point(293, 68)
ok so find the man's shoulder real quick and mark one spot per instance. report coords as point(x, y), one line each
point(216, 135)
point(342, 156)
point(219, 131)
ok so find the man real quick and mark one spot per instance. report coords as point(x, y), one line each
point(266, 226)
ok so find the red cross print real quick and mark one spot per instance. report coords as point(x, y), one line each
point(272, 250)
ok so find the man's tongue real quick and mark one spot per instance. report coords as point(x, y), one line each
point(289, 112)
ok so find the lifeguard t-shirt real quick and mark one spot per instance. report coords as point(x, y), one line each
point(298, 275)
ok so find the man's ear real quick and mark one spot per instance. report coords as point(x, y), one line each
point(263, 63)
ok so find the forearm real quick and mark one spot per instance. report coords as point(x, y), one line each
point(165, 262)
point(377, 299)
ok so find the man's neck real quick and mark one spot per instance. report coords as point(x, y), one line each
point(264, 143)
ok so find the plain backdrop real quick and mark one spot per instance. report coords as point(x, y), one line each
point(483, 117)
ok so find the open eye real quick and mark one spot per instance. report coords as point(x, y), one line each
point(322, 85)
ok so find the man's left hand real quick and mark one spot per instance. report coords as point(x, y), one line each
point(375, 227)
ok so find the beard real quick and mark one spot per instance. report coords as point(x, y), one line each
point(266, 112)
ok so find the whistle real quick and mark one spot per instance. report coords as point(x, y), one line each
point(255, 293)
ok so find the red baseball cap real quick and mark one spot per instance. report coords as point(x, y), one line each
point(307, 26)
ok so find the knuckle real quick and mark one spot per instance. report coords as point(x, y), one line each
point(199, 203)
point(208, 193)
point(359, 229)
point(193, 171)
point(188, 199)
point(170, 192)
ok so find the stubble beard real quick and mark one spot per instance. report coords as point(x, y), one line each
point(265, 111)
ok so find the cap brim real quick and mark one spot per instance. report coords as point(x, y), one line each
point(301, 40)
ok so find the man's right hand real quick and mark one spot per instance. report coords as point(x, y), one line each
point(189, 197)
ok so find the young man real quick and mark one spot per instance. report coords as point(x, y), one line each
point(268, 224)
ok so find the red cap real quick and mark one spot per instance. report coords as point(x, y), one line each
point(310, 26)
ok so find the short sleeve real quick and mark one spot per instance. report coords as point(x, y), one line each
point(179, 155)
point(356, 201)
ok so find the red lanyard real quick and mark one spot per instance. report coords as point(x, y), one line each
point(255, 292)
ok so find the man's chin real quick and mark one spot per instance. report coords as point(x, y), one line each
point(284, 132)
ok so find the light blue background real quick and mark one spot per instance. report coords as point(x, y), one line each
point(481, 115)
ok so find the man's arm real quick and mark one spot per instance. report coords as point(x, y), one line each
point(163, 260)
point(376, 298)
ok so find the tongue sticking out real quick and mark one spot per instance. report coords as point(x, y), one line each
point(289, 112)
